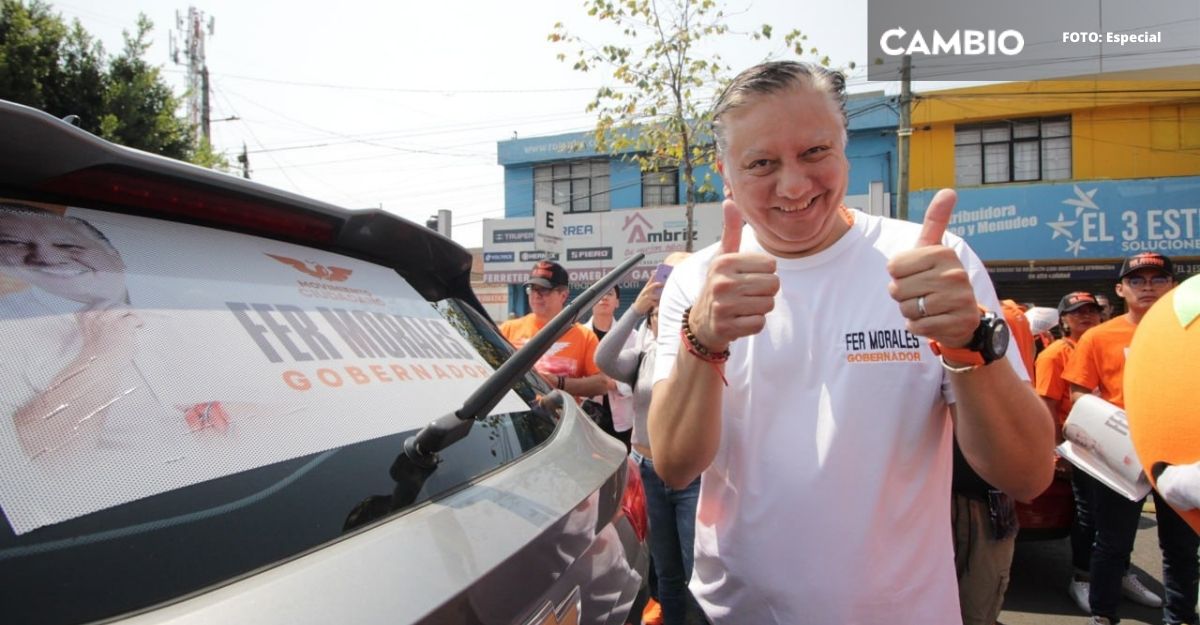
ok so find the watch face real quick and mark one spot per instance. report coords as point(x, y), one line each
point(998, 344)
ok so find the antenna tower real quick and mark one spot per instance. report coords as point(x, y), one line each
point(192, 32)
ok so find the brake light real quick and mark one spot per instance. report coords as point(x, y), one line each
point(162, 196)
point(633, 501)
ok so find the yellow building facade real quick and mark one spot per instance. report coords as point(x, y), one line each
point(1059, 180)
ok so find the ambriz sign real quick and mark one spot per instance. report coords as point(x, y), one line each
point(596, 242)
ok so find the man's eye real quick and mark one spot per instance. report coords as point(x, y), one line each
point(817, 150)
point(758, 164)
point(69, 247)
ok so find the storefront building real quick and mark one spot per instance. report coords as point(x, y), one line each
point(613, 210)
point(1058, 181)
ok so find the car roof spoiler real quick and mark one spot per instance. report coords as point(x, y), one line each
point(48, 159)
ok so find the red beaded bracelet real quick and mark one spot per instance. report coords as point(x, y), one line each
point(693, 346)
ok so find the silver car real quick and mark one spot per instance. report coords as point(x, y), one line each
point(224, 403)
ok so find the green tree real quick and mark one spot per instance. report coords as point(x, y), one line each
point(141, 110)
point(205, 156)
point(31, 40)
point(61, 69)
point(659, 112)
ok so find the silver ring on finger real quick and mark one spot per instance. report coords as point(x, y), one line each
point(921, 306)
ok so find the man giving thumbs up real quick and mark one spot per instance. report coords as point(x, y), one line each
point(795, 374)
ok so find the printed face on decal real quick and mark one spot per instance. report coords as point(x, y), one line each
point(61, 256)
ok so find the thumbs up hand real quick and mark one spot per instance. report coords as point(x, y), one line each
point(738, 292)
point(930, 283)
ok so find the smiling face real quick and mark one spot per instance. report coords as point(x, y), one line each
point(60, 256)
point(786, 168)
point(546, 302)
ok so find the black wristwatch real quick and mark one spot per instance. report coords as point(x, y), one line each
point(987, 345)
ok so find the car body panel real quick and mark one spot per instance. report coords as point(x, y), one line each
point(432, 546)
point(539, 538)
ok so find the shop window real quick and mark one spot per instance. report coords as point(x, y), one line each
point(661, 187)
point(1021, 150)
point(574, 186)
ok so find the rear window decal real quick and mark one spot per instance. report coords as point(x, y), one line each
point(141, 356)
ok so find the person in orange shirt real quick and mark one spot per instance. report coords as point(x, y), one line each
point(1022, 332)
point(1078, 312)
point(570, 363)
point(1098, 362)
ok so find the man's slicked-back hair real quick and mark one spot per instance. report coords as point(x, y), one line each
point(775, 77)
point(25, 209)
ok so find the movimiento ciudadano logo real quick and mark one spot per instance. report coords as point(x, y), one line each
point(897, 42)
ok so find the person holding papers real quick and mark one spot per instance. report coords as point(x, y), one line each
point(1099, 363)
point(1078, 312)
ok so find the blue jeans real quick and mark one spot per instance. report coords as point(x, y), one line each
point(672, 516)
point(1116, 521)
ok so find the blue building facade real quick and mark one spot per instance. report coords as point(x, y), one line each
point(567, 170)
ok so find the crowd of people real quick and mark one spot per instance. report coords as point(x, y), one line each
point(804, 396)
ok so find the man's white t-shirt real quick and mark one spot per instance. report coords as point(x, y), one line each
point(829, 498)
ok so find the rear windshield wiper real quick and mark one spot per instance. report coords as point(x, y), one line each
point(419, 458)
point(422, 448)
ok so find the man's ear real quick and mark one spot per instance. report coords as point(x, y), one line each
point(1120, 289)
point(725, 186)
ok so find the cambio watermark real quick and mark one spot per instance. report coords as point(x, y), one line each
point(957, 43)
point(979, 40)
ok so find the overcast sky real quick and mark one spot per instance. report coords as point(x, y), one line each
point(399, 105)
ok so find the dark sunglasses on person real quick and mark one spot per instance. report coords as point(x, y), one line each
point(538, 290)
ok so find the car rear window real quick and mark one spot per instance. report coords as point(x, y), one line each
point(180, 406)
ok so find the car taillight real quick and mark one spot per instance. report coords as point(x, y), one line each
point(164, 197)
point(633, 502)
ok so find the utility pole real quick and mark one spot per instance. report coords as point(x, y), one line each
point(192, 34)
point(903, 134)
point(244, 159)
point(205, 124)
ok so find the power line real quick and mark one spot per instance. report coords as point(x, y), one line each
point(1082, 92)
point(942, 69)
point(253, 137)
point(341, 87)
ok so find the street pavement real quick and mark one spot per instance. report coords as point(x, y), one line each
point(1037, 594)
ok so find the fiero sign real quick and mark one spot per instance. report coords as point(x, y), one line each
point(898, 42)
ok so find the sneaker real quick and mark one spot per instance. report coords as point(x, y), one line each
point(1079, 592)
point(1136, 591)
point(1099, 620)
